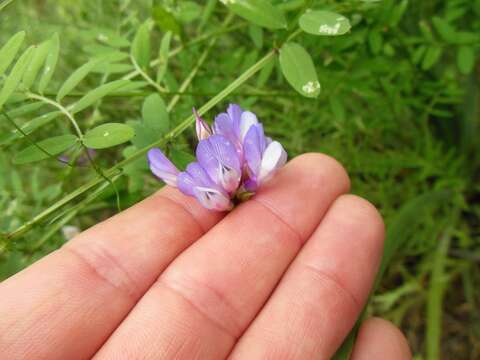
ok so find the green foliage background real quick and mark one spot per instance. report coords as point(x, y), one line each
point(399, 107)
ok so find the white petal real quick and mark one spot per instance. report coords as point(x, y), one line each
point(212, 199)
point(229, 178)
point(273, 157)
point(246, 120)
point(167, 177)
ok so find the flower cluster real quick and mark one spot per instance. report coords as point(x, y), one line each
point(234, 158)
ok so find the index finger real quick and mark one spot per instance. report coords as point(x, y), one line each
point(67, 304)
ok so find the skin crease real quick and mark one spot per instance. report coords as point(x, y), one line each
point(168, 279)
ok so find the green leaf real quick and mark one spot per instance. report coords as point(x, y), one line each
point(155, 115)
point(181, 158)
point(39, 55)
point(110, 38)
point(260, 12)
point(465, 59)
point(418, 54)
point(163, 56)
point(54, 146)
point(97, 94)
point(444, 29)
point(337, 107)
point(297, 67)
point(109, 68)
point(375, 41)
point(141, 45)
point(187, 11)
point(108, 135)
point(466, 38)
point(143, 135)
point(15, 75)
point(29, 127)
point(9, 50)
point(50, 63)
point(256, 34)
point(431, 57)
point(325, 23)
point(164, 19)
point(75, 78)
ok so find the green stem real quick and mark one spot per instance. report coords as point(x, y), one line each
point(436, 292)
point(5, 4)
point(141, 152)
point(99, 170)
point(190, 76)
point(76, 209)
point(196, 41)
point(252, 92)
point(59, 107)
point(29, 139)
point(145, 76)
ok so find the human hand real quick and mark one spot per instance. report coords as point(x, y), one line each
point(283, 276)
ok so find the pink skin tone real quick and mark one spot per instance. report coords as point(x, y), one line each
point(284, 275)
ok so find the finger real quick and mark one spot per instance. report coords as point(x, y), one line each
point(207, 297)
point(323, 291)
point(379, 339)
point(67, 304)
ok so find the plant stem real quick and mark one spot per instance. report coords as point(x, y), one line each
point(5, 4)
point(438, 282)
point(145, 76)
point(26, 136)
point(198, 40)
point(190, 76)
point(59, 107)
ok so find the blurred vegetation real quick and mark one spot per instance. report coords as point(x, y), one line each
point(399, 107)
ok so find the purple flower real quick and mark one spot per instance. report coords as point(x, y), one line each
point(234, 157)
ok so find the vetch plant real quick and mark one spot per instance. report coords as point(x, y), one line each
point(234, 158)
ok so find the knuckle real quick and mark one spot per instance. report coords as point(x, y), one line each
point(100, 262)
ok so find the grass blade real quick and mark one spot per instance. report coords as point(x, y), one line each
point(438, 282)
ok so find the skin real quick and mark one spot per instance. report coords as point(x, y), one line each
point(283, 276)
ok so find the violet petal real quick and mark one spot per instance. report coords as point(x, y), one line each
point(162, 167)
point(253, 148)
point(218, 156)
point(234, 111)
point(194, 175)
point(224, 126)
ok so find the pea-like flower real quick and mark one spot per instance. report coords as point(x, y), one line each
point(234, 158)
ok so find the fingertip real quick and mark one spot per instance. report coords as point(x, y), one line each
point(362, 211)
point(312, 163)
point(380, 339)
